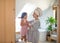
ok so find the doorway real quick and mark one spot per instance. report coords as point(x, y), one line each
point(5, 36)
point(49, 10)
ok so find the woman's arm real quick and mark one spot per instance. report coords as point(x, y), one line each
point(36, 25)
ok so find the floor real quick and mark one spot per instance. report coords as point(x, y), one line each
point(39, 42)
point(18, 36)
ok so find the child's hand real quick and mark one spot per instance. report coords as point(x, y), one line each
point(29, 25)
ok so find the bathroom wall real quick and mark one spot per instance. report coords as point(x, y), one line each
point(43, 4)
point(45, 14)
point(46, 11)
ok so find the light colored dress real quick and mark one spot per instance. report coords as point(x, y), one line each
point(33, 33)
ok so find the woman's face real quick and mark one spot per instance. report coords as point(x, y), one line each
point(35, 15)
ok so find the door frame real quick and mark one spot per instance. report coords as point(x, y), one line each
point(58, 22)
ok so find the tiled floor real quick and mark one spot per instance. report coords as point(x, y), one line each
point(19, 41)
point(30, 42)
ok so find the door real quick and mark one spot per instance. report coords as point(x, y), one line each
point(58, 22)
point(7, 21)
point(2, 25)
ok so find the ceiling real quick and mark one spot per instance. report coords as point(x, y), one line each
point(29, 6)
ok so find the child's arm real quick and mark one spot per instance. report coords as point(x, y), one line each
point(22, 23)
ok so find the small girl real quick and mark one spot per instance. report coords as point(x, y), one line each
point(24, 26)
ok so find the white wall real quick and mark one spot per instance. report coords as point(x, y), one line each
point(47, 13)
point(44, 5)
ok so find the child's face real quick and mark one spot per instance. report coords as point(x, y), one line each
point(25, 17)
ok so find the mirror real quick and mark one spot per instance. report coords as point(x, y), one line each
point(48, 9)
